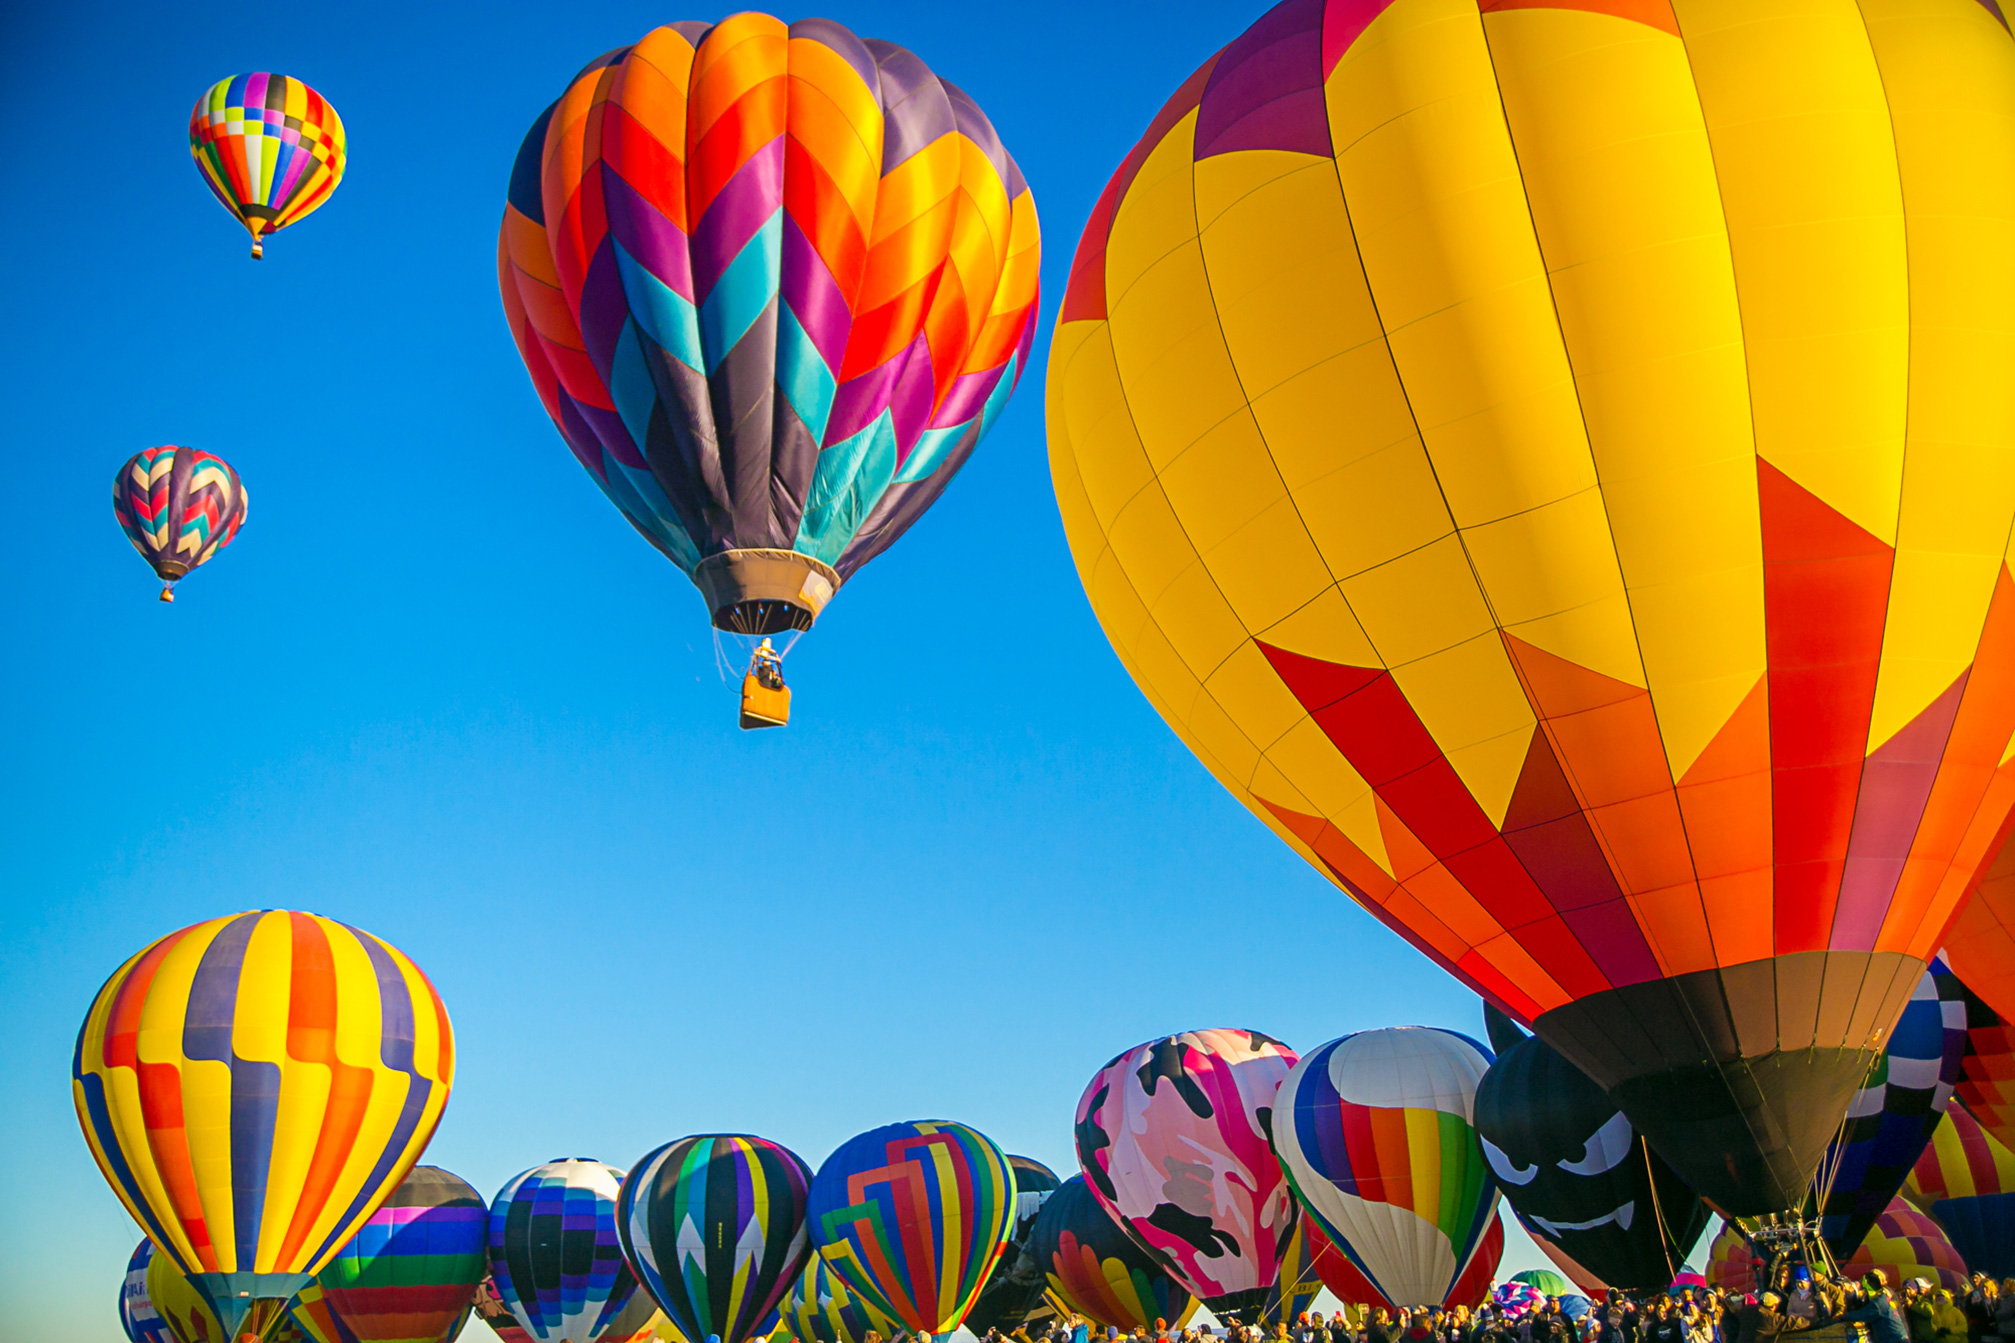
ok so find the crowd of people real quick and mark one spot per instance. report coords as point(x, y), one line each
point(1869, 1309)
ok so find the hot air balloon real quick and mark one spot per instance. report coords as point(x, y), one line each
point(1375, 1131)
point(412, 1269)
point(1987, 1069)
point(1981, 945)
point(1546, 1280)
point(314, 1321)
point(491, 1310)
point(270, 148)
point(1174, 1139)
point(179, 507)
point(336, 1058)
point(1578, 1175)
point(1098, 1270)
point(1892, 1117)
point(1966, 1179)
point(556, 1259)
point(185, 1315)
point(714, 1227)
point(1015, 1287)
point(1482, 436)
point(912, 1217)
point(639, 1322)
point(137, 1316)
point(1296, 1282)
point(1577, 1273)
point(820, 1309)
point(1514, 1298)
point(773, 283)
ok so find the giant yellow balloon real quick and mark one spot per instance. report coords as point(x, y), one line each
point(1554, 461)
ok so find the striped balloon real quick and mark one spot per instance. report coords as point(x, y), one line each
point(412, 1269)
point(1966, 1179)
point(1377, 1134)
point(179, 507)
point(773, 283)
point(253, 1087)
point(187, 1317)
point(270, 148)
point(137, 1316)
point(715, 1227)
point(912, 1217)
point(555, 1257)
point(1906, 1244)
point(820, 1309)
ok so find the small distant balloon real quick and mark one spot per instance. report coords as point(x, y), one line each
point(271, 149)
point(179, 507)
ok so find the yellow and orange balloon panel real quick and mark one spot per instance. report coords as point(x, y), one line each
point(253, 1087)
point(1554, 461)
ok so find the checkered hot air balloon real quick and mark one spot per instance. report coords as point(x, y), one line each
point(1987, 1070)
point(270, 148)
point(773, 282)
point(253, 1087)
point(912, 1217)
point(714, 1227)
point(556, 1259)
point(179, 507)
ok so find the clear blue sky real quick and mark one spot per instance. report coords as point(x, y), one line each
point(440, 690)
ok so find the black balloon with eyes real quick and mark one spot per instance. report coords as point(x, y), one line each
point(1575, 1171)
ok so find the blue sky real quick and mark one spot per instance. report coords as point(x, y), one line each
point(440, 690)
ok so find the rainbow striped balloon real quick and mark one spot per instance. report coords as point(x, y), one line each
point(179, 507)
point(252, 1088)
point(271, 149)
point(912, 1217)
point(412, 1269)
point(773, 283)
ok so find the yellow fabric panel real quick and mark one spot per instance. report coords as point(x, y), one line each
point(1334, 790)
point(741, 52)
point(1088, 403)
point(1421, 603)
point(1372, 508)
point(1122, 614)
point(1800, 129)
point(1209, 724)
point(1195, 617)
point(1325, 628)
point(1270, 785)
point(1949, 70)
point(259, 1032)
point(1269, 568)
point(1156, 216)
point(1253, 693)
point(1223, 481)
point(1149, 544)
point(1551, 578)
point(1628, 216)
point(1156, 663)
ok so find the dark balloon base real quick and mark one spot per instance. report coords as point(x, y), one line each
point(1239, 1307)
point(1740, 1076)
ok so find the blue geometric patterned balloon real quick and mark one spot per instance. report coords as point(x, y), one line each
point(554, 1253)
point(1894, 1114)
point(143, 1323)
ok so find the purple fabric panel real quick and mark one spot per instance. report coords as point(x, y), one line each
point(604, 308)
point(615, 437)
point(744, 205)
point(859, 400)
point(968, 394)
point(1610, 936)
point(974, 124)
point(813, 296)
point(915, 111)
point(693, 30)
point(910, 399)
point(1027, 337)
point(653, 241)
point(848, 47)
point(581, 437)
point(1895, 787)
point(1266, 91)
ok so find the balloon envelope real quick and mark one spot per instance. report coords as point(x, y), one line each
point(178, 506)
point(912, 1217)
point(270, 148)
point(1015, 1286)
point(1173, 1137)
point(820, 1309)
point(1546, 1280)
point(1376, 1132)
point(773, 283)
point(556, 1261)
point(1987, 1069)
point(1966, 1180)
point(137, 1316)
point(715, 1227)
point(411, 1270)
point(491, 1310)
point(1578, 1175)
point(345, 1057)
point(1097, 1269)
point(1981, 945)
point(1458, 476)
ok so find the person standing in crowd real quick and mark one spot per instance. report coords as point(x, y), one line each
point(1981, 1298)
point(1379, 1327)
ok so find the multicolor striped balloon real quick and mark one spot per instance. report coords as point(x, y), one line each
point(912, 1217)
point(137, 1316)
point(773, 283)
point(1906, 1244)
point(715, 1228)
point(1894, 1113)
point(1377, 1133)
point(271, 149)
point(1173, 1139)
point(179, 507)
point(253, 1087)
point(1013, 1291)
point(1097, 1269)
point(555, 1257)
point(820, 1309)
point(411, 1271)
point(1987, 1070)
point(1966, 1179)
